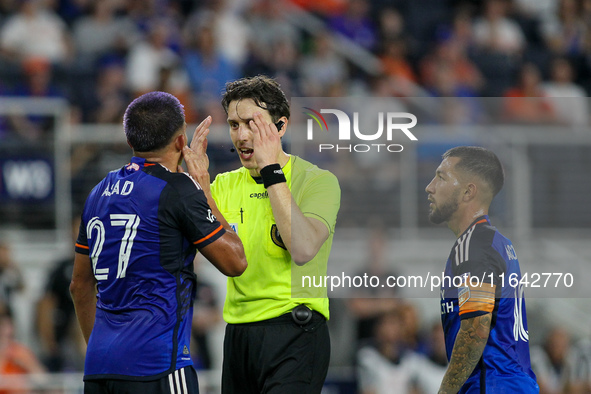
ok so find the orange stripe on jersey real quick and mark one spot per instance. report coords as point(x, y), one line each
point(477, 307)
point(214, 232)
point(476, 298)
point(82, 246)
point(480, 221)
point(149, 164)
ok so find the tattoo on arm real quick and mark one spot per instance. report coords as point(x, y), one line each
point(467, 351)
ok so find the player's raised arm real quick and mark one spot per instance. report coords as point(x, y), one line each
point(227, 252)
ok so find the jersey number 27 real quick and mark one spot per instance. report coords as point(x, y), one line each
point(131, 223)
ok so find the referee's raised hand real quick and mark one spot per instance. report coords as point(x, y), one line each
point(266, 141)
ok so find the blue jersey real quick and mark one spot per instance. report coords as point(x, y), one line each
point(486, 256)
point(141, 226)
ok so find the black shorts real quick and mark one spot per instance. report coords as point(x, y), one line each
point(181, 381)
point(276, 356)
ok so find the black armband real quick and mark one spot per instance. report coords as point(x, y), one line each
point(272, 174)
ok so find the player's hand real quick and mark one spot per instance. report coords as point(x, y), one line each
point(196, 155)
point(266, 141)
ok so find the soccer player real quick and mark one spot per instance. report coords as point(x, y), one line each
point(284, 209)
point(140, 229)
point(484, 319)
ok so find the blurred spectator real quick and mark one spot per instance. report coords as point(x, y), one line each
point(368, 304)
point(232, 44)
point(207, 69)
point(147, 57)
point(38, 80)
point(568, 99)
point(37, 83)
point(449, 54)
point(537, 9)
point(383, 363)
point(322, 68)
point(325, 8)
point(61, 339)
point(267, 27)
point(11, 278)
point(394, 61)
point(434, 364)
point(457, 104)
point(7, 6)
point(206, 316)
point(390, 25)
point(462, 32)
point(281, 64)
point(175, 80)
point(143, 13)
point(496, 33)
point(283, 67)
point(70, 10)
point(565, 33)
point(527, 102)
point(586, 17)
point(356, 25)
point(15, 358)
point(579, 376)
point(110, 96)
point(443, 82)
point(386, 365)
point(102, 32)
point(410, 324)
point(550, 361)
point(35, 31)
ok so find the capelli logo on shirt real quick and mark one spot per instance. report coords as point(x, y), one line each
point(258, 196)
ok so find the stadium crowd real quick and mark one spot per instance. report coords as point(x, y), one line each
point(100, 54)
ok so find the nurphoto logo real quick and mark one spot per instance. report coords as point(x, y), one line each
point(390, 121)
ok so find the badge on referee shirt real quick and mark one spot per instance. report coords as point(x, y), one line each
point(276, 237)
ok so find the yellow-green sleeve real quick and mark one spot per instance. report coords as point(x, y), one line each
point(321, 199)
point(215, 189)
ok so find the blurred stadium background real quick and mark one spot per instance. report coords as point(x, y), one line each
point(512, 75)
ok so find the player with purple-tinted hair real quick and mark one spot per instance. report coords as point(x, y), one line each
point(140, 229)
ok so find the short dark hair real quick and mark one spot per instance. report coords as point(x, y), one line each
point(151, 120)
point(264, 91)
point(481, 162)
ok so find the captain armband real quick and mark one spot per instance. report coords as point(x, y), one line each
point(476, 299)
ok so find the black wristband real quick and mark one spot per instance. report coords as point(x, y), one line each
point(272, 174)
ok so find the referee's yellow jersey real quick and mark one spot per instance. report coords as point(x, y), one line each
point(264, 290)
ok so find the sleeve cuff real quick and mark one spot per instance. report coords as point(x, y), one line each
point(215, 234)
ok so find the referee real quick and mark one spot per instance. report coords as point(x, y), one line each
point(284, 210)
point(140, 228)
